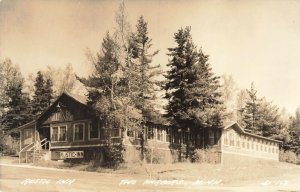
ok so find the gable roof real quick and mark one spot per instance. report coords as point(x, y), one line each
point(238, 128)
point(77, 98)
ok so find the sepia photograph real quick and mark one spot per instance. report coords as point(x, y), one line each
point(149, 95)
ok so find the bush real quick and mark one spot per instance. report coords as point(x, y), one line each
point(208, 155)
point(157, 156)
point(288, 156)
point(114, 155)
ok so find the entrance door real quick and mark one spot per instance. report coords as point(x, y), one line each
point(45, 133)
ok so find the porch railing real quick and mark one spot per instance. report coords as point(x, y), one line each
point(33, 147)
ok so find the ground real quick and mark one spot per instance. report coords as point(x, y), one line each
point(262, 176)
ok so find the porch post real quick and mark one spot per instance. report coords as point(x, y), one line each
point(20, 140)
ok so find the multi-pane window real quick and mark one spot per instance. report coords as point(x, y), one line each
point(54, 134)
point(159, 134)
point(94, 132)
point(231, 139)
point(78, 132)
point(211, 137)
point(59, 133)
point(63, 133)
point(150, 132)
point(168, 134)
point(225, 140)
point(56, 116)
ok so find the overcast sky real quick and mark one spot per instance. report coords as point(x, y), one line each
point(252, 40)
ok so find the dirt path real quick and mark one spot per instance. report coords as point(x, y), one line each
point(51, 180)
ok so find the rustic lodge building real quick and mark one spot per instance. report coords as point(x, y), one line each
point(68, 130)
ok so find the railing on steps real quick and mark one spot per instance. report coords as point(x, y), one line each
point(45, 142)
point(33, 148)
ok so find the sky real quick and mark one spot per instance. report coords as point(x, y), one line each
point(255, 41)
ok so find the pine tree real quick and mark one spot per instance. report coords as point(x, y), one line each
point(48, 91)
point(143, 75)
point(251, 115)
point(17, 108)
point(192, 88)
point(42, 95)
point(147, 83)
point(260, 116)
point(14, 102)
point(108, 88)
point(270, 124)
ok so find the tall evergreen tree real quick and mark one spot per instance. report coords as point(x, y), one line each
point(192, 88)
point(143, 74)
point(42, 95)
point(48, 91)
point(251, 112)
point(147, 84)
point(17, 112)
point(260, 116)
point(108, 88)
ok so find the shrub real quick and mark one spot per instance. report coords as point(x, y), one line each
point(114, 155)
point(288, 156)
point(157, 156)
point(208, 155)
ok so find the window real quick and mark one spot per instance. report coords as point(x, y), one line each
point(94, 131)
point(225, 139)
point(211, 137)
point(78, 132)
point(56, 116)
point(54, 134)
point(150, 132)
point(159, 134)
point(168, 134)
point(231, 139)
point(63, 133)
point(27, 136)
